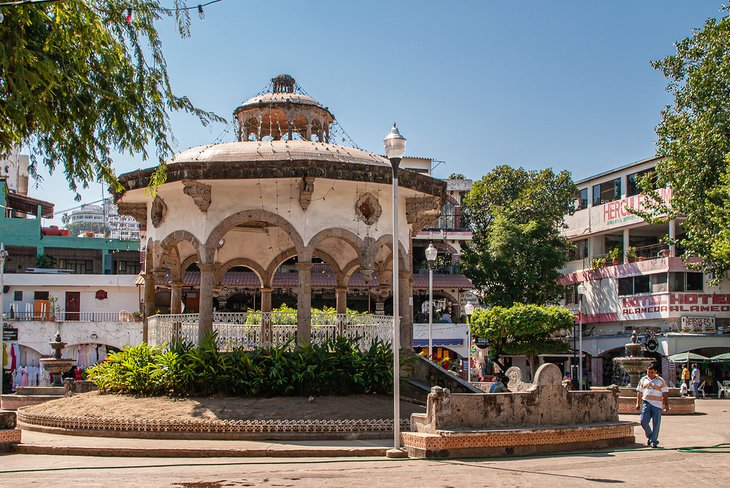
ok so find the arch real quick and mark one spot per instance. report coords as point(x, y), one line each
point(148, 256)
point(173, 238)
point(403, 256)
point(193, 258)
point(247, 216)
point(275, 263)
point(336, 233)
point(253, 266)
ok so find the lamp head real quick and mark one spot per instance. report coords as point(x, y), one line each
point(431, 253)
point(395, 144)
point(468, 308)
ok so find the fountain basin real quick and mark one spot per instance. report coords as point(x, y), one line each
point(57, 367)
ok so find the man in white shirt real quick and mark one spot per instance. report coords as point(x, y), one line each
point(652, 395)
point(696, 380)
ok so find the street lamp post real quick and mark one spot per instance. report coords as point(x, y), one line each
point(431, 254)
point(395, 148)
point(581, 292)
point(3, 257)
point(468, 310)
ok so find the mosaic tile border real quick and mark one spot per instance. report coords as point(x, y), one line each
point(448, 443)
point(9, 436)
point(677, 406)
point(209, 426)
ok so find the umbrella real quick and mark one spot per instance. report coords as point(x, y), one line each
point(685, 357)
point(721, 357)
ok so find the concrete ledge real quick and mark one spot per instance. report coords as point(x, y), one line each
point(677, 406)
point(210, 429)
point(518, 442)
point(8, 438)
point(14, 402)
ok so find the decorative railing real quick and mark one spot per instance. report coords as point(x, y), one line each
point(244, 329)
point(62, 316)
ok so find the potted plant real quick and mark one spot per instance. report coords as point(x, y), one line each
point(137, 316)
point(597, 263)
point(614, 256)
point(631, 254)
point(54, 309)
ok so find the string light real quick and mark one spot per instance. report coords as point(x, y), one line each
point(201, 14)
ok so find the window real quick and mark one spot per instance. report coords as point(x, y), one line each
point(578, 250)
point(632, 181)
point(128, 267)
point(654, 283)
point(694, 281)
point(582, 199)
point(18, 296)
point(686, 282)
point(571, 294)
point(77, 266)
point(607, 192)
point(641, 284)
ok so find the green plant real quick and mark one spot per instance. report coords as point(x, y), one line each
point(597, 263)
point(631, 252)
point(614, 253)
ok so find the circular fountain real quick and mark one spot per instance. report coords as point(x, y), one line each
point(57, 364)
point(634, 363)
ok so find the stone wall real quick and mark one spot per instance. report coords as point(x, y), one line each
point(544, 403)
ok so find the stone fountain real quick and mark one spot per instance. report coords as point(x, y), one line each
point(57, 365)
point(634, 363)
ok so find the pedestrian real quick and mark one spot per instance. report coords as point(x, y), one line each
point(500, 386)
point(695, 380)
point(652, 395)
point(685, 375)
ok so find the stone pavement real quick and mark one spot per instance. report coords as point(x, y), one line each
point(638, 466)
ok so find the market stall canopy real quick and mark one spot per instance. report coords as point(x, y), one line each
point(684, 357)
point(721, 357)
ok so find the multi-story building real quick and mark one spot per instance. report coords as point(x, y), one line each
point(104, 221)
point(633, 278)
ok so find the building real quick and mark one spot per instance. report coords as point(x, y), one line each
point(104, 221)
point(633, 279)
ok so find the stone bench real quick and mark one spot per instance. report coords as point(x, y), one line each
point(9, 434)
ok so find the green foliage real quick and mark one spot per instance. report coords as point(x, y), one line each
point(614, 253)
point(517, 251)
point(456, 176)
point(521, 329)
point(45, 261)
point(337, 367)
point(694, 140)
point(78, 83)
point(598, 262)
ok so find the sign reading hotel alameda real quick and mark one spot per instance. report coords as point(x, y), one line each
point(618, 213)
point(665, 305)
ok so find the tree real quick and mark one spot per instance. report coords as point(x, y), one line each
point(79, 81)
point(521, 329)
point(517, 252)
point(694, 140)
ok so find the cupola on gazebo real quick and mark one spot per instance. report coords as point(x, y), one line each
point(282, 194)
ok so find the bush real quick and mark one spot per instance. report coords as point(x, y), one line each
point(336, 367)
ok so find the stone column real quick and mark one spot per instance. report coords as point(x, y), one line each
point(176, 297)
point(205, 314)
point(149, 303)
point(341, 309)
point(405, 292)
point(672, 235)
point(265, 336)
point(304, 303)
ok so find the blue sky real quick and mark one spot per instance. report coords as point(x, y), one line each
point(565, 84)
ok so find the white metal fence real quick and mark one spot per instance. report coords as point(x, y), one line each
point(244, 329)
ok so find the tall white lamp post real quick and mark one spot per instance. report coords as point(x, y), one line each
point(395, 148)
point(468, 310)
point(581, 292)
point(431, 254)
point(3, 257)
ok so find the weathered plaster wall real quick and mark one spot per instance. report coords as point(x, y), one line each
point(37, 335)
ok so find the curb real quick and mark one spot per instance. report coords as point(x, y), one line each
point(195, 453)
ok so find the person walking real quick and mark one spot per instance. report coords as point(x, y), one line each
point(695, 380)
point(652, 395)
point(685, 375)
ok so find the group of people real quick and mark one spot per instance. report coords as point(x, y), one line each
point(693, 379)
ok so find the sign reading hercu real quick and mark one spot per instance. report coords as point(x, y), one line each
point(674, 305)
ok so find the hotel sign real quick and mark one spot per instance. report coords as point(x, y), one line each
point(667, 305)
point(618, 212)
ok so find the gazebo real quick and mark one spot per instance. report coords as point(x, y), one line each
point(282, 193)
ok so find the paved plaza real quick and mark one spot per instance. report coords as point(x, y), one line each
point(638, 466)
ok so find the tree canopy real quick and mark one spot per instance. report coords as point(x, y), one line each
point(521, 329)
point(81, 79)
point(694, 140)
point(517, 250)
